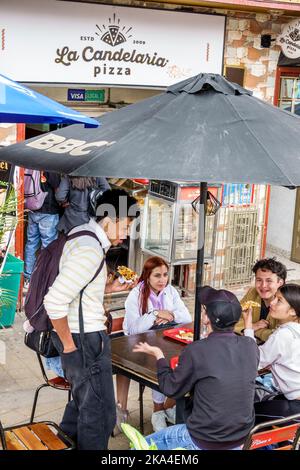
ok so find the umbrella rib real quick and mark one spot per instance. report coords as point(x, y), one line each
point(257, 140)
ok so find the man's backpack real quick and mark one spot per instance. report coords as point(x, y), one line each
point(33, 193)
point(42, 278)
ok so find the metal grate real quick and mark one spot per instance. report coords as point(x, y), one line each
point(241, 246)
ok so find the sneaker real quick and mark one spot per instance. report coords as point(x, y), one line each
point(122, 417)
point(26, 285)
point(171, 415)
point(158, 420)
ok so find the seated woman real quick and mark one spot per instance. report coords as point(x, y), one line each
point(151, 304)
point(281, 352)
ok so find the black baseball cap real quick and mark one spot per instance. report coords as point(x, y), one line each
point(222, 307)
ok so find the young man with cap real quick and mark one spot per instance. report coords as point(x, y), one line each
point(221, 370)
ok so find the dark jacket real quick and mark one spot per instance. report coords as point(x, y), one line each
point(221, 371)
point(76, 213)
point(50, 205)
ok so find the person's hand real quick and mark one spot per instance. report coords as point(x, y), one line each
point(247, 316)
point(69, 346)
point(116, 286)
point(160, 321)
point(260, 324)
point(69, 349)
point(150, 350)
point(165, 315)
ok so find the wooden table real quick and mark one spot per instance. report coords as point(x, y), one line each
point(139, 366)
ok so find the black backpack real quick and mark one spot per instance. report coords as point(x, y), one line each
point(43, 276)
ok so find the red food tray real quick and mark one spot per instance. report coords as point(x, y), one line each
point(172, 334)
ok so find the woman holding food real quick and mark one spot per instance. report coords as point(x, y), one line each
point(281, 353)
point(152, 304)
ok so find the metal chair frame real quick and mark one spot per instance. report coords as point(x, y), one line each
point(58, 383)
point(271, 432)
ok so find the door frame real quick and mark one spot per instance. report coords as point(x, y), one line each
point(293, 72)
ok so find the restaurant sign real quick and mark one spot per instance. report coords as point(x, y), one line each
point(289, 39)
point(103, 44)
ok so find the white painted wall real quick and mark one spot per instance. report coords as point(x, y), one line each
point(281, 219)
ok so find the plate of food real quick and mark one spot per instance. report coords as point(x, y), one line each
point(184, 335)
point(249, 304)
point(126, 275)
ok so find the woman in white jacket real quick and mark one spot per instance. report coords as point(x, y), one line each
point(281, 353)
point(151, 304)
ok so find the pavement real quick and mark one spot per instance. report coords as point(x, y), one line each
point(20, 375)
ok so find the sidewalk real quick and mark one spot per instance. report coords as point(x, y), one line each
point(21, 375)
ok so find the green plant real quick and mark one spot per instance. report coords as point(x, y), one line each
point(8, 223)
point(8, 214)
point(137, 440)
point(8, 210)
point(6, 297)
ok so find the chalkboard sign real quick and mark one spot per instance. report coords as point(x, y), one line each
point(4, 171)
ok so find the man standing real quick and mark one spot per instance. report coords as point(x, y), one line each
point(42, 223)
point(269, 276)
point(81, 338)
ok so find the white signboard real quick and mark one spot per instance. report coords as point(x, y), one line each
point(289, 39)
point(64, 42)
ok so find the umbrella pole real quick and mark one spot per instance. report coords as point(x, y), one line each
point(200, 258)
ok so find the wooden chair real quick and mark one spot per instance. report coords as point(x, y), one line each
point(44, 435)
point(276, 432)
point(58, 383)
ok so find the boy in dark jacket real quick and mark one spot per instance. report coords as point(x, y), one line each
point(221, 371)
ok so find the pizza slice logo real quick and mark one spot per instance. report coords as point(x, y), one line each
point(113, 34)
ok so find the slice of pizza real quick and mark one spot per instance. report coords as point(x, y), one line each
point(186, 335)
point(249, 303)
point(126, 274)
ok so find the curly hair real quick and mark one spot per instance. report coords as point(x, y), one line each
point(270, 264)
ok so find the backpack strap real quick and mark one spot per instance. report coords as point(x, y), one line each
point(81, 322)
point(89, 233)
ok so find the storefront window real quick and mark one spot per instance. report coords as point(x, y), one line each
point(159, 227)
point(287, 86)
point(289, 98)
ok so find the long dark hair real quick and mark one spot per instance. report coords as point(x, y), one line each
point(83, 182)
point(291, 293)
point(150, 264)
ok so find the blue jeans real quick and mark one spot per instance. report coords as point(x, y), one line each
point(90, 416)
point(173, 437)
point(54, 364)
point(41, 230)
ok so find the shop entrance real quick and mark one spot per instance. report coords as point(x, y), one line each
point(287, 97)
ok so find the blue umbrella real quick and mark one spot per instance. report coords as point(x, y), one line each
point(20, 104)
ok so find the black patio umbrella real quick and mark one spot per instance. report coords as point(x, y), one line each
point(202, 129)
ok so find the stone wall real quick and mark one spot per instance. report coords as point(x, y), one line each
point(242, 42)
point(243, 49)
